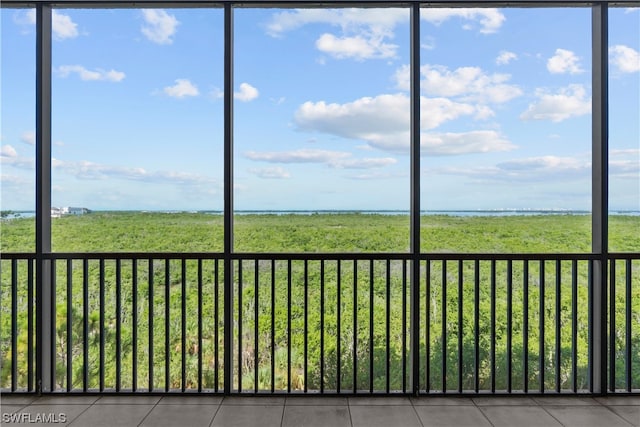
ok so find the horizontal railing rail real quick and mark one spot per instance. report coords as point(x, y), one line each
point(320, 323)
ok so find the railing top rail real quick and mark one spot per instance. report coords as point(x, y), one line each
point(301, 256)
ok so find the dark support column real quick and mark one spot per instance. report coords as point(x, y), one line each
point(415, 197)
point(600, 196)
point(45, 316)
point(228, 198)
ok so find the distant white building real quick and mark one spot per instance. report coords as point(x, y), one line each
point(68, 210)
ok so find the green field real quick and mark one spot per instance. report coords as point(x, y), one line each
point(447, 291)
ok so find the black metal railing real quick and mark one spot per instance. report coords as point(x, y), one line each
point(320, 323)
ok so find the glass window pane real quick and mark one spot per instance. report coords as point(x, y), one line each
point(624, 129)
point(17, 142)
point(321, 125)
point(138, 130)
point(506, 129)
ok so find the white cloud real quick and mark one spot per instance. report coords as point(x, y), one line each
point(28, 137)
point(626, 59)
point(62, 25)
point(570, 101)
point(469, 83)
point(531, 169)
point(87, 170)
point(448, 144)
point(383, 122)
point(88, 75)
point(159, 26)
point(334, 159)
point(490, 19)
point(505, 57)
point(357, 47)
point(247, 93)
point(363, 33)
point(271, 173)
point(181, 89)
point(347, 19)
point(564, 61)
point(297, 156)
point(625, 163)
point(8, 151)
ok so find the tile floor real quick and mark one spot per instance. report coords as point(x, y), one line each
point(218, 411)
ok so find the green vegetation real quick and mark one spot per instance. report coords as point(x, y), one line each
point(272, 295)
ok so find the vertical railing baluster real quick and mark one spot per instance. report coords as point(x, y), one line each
point(167, 323)
point(476, 322)
point(509, 325)
point(216, 322)
point(628, 342)
point(134, 324)
point(289, 370)
point(460, 320)
point(322, 326)
point(388, 321)
point(150, 323)
point(612, 325)
point(443, 309)
point(102, 331)
point(558, 356)
point(338, 327)
point(183, 321)
point(85, 325)
point(541, 347)
point(118, 354)
point(493, 326)
point(256, 308)
point(574, 325)
point(14, 324)
point(525, 326)
point(427, 328)
point(371, 331)
point(355, 325)
point(70, 323)
point(404, 325)
point(30, 307)
point(590, 326)
point(239, 326)
point(306, 324)
point(215, 326)
point(273, 325)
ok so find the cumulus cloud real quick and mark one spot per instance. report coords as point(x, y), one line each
point(563, 62)
point(9, 156)
point(468, 83)
point(28, 137)
point(271, 173)
point(489, 19)
point(159, 27)
point(246, 93)
point(362, 33)
point(625, 59)
point(183, 88)
point(62, 25)
point(505, 57)
point(570, 101)
point(8, 151)
point(358, 47)
point(88, 75)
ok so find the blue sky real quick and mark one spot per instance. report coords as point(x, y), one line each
point(321, 108)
